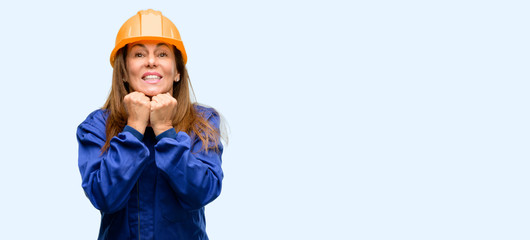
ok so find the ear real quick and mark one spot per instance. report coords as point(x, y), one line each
point(177, 77)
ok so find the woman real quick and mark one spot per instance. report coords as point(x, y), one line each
point(150, 159)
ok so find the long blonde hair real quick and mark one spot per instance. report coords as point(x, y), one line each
point(187, 118)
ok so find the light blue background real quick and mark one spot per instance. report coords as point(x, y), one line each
point(349, 119)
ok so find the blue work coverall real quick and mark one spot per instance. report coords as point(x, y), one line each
point(149, 187)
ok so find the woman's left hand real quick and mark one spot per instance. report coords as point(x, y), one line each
point(163, 110)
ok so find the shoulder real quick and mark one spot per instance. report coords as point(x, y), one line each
point(206, 112)
point(95, 122)
point(97, 118)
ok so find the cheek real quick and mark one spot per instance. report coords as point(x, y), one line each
point(132, 68)
point(171, 71)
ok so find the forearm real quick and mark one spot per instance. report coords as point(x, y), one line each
point(196, 178)
point(109, 177)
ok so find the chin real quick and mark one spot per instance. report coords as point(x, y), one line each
point(153, 92)
point(150, 94)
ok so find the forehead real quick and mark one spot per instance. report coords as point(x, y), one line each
point(149, 44)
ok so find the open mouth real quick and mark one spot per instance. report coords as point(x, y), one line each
point(151, 77)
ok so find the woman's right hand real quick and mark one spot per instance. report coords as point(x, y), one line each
point(138, 107)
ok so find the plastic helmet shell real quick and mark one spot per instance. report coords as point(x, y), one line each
point(148, 25)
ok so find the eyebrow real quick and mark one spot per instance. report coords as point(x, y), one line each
point(141, 45)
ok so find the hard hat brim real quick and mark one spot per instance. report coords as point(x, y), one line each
point(178, 44)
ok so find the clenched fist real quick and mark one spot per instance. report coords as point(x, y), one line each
point(138, 107)
point(163, 110)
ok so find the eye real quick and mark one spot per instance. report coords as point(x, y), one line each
point(162, 54)
point(138, 55)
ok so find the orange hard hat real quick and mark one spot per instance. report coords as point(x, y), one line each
point(148, 25)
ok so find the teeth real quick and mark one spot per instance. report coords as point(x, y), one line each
point(151, 77)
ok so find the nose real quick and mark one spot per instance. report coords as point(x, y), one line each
point(151, 61)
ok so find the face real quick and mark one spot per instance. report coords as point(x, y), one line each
point(151, 67)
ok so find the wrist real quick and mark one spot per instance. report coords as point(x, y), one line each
point(158, 129)
point(140, 127)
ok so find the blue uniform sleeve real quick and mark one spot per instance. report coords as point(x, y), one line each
point(194, 174)
point(134, 132)
point(108, 178)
